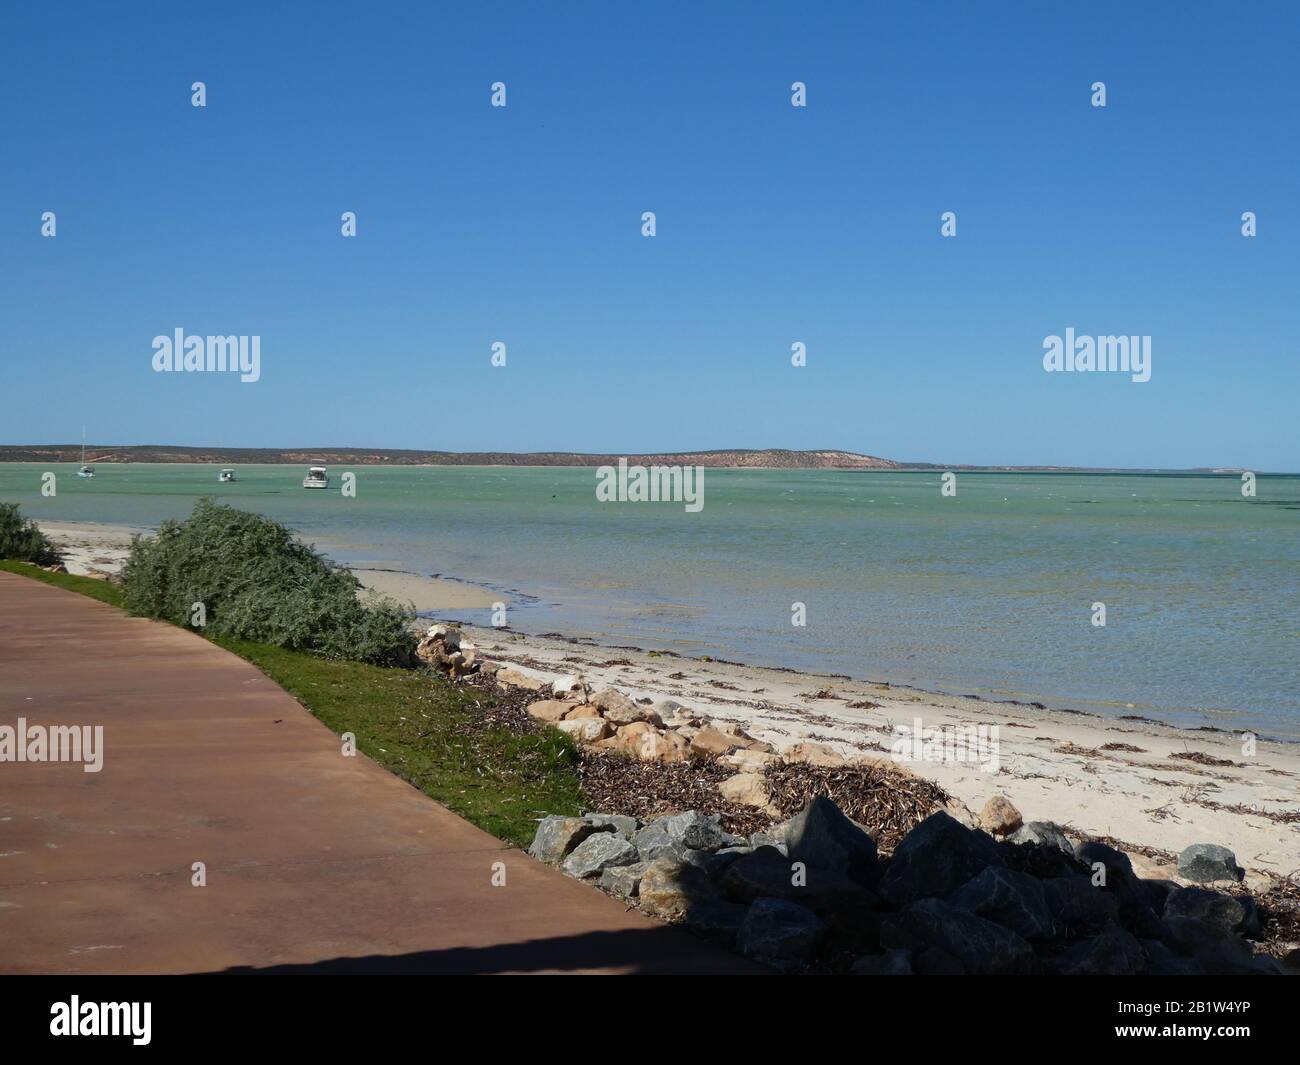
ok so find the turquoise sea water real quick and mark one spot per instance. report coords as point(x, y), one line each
point(989, 592)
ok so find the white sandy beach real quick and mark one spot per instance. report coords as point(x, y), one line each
point(95, 549)
point(1053, 765)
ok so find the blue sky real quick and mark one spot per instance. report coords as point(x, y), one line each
point(775, 224)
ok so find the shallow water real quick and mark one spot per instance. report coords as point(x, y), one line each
point(988, 592)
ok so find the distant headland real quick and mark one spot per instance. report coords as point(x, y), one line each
point(724, 458)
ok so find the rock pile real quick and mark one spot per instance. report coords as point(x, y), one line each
point(665, 732)
point(813, 894)
point(449, 651)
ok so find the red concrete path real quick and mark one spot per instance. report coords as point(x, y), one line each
point(314, 861)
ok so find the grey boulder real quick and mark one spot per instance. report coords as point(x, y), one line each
point(979, 947)
point(1012, 899)
point(935, 858)
point(623, 881)
point(557, 837)
point(597, 853)
point(821, 836)
point(1206, 862)
point(779, 932)
point(1112, 953)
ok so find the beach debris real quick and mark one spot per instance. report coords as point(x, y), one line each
point(1000, 817)
point(891, 802)
point(1201, 758)
point(1205, 863)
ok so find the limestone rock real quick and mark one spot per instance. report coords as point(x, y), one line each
point(512, 678)
point(1000, 817)
point(747, 789)
point(580, 711)
point(551, 710)
point(621, 710)
point(709, 743)
point(585, 729)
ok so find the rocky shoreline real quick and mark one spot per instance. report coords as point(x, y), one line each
point(814, 894)
point(811, 861)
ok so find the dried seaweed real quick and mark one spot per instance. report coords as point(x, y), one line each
point(1201, 758)
point(614, 783)
point(887, 801)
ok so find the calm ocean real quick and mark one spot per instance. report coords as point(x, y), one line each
point(989, 592)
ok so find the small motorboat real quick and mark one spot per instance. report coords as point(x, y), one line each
point(226, 476)
point(316, 478)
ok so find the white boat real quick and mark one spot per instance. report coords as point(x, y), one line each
point(316, 478)
point(84, 471)
point(226, 476)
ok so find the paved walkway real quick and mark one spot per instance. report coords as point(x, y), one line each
point(315, 862)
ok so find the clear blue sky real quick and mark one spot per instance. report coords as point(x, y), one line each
point(775, 224)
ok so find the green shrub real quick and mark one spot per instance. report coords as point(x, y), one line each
point(258, 582)
point(24, 540)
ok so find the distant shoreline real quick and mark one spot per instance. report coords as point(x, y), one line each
point(723, 458)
